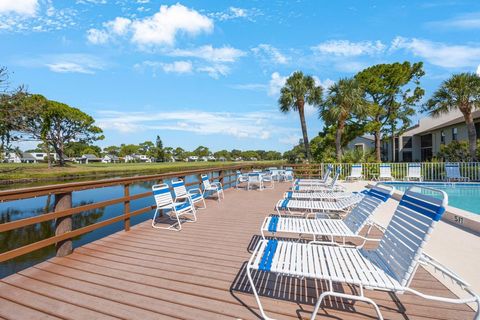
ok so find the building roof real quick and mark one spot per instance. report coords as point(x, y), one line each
point(89, 156)
point(430, 123)
point(28, 156)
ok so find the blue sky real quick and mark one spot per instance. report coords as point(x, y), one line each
point(209, 72)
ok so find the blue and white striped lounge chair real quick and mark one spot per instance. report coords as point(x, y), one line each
point(241, 178)
point(307, 207)
point(164, 201)
point(390, 267)
point(331, 228)
point(414, 172)
point(385, 172)
point(180, 193)
point(323, 195)
point(321, 181)
point(452, 172)
point(214, 187)
point(356, 173)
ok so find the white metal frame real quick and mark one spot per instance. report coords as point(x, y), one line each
point(164, 201)
point(215, 187)
point(180, 193)
point(241, 178)
point(356, 173)
point(309, 207)
point(391, 267)
point(414, 172)
point(385, 172)
point(452, 173)
point(255, 178)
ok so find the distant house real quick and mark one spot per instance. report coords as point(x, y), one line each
point(238, 159)
point(110, 158)
point(192, 158)
point(42, 156)
point(207, 158)
point(253, 159)
point(88, 158)
point(28, 158)
point(11, 157)
point(137, 158)
point(222, 159)
point(363, 143)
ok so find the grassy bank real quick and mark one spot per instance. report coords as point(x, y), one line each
point(17, 172)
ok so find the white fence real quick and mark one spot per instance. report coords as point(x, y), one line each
point(430, 171)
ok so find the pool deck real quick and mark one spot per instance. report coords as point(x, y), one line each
point(198, 273)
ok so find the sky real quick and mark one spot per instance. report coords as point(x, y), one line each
point(209, 72)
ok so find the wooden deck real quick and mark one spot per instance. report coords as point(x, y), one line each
point(197, 273)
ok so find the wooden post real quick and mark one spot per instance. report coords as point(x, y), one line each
point(126, 207)
point(63, 201)
point(220, 175)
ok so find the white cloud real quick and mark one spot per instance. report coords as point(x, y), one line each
point(239, 125)
point(250, 86)
point(347, 48)
point(290, 140)
point(143, 1)
point(440, 54)
point(464, 22)
point(215, 71)
point(21, 7)
point(209, 53)
point(275, 84)
point(66, 63)
point(269, 54)
point(325, 84)
point(96, 36)
point(178, 67)
point(161, 28)
point(235, 13)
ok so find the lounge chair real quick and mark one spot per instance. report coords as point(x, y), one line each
point(288, 174)
point(324, 195)
point(267, 179)
point(214, 187)
point(331, 228)
point(356, 173)
point(241, 178)
point(164, 201)
point(180, 193)
point(323, 180)
point(332, 186)
point(385, 172)
point(307, 207)
point(254, 178)
point(452, 173)
point(390, 267)
point(414, 172)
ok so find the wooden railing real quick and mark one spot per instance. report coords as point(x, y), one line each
point(63, 211)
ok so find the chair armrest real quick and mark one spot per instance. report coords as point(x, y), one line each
point(194, 190)
point(217, 184)
point(426, 259)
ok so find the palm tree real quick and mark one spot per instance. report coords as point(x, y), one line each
point(462, 92)
point(298, 90)
point(344, 100)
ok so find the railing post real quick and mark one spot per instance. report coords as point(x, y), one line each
point(63, 201)
point(126, 207)
point(220, 176)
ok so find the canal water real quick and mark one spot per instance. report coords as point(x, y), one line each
point(21, 209)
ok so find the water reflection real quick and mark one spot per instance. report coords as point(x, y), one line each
point(21, 209)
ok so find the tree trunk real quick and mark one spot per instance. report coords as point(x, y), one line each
point(393, 148)
point(46, 148)
point(472, 135)
point(301, 112)
point(378, 155)
point(338, 140)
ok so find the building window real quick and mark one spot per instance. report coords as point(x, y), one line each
point(360, 147)
point(442, 137)
point(426, 147)
point(454, 134)
point(407, 156)
point(407, 142)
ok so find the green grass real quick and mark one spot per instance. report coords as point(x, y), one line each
point(39, 171)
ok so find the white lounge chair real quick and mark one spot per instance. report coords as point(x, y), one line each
point(323, 180)
point(385, 172)
point(180, 193)
point(241, 178)
point(332, 186)
point(356, 173)
point(288, 174)
point(307, 207)
point(267, 180)
point(452, 172)
point(254, 178)
point(414, 172)
point(214, 187)
point(324, 195)
point(390, 267)
point(331, 228)
point(164, 201)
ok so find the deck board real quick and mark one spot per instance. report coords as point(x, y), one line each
point(198, 273)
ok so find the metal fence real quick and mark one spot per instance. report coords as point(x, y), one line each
point(430, 171)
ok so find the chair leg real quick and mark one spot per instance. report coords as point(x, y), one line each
point(255, 293)
point(345, 296)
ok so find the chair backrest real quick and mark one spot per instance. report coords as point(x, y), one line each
point(409, 229)
point(414, 170)
point(335, 177)
point(327, 173)
point(452, 170)
point(205, 181)
point(162, 195)
point(374, 197)
point(254, 177)
point(356, 170)
point(179, 189)
point(288, 173)
point(385, 170)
